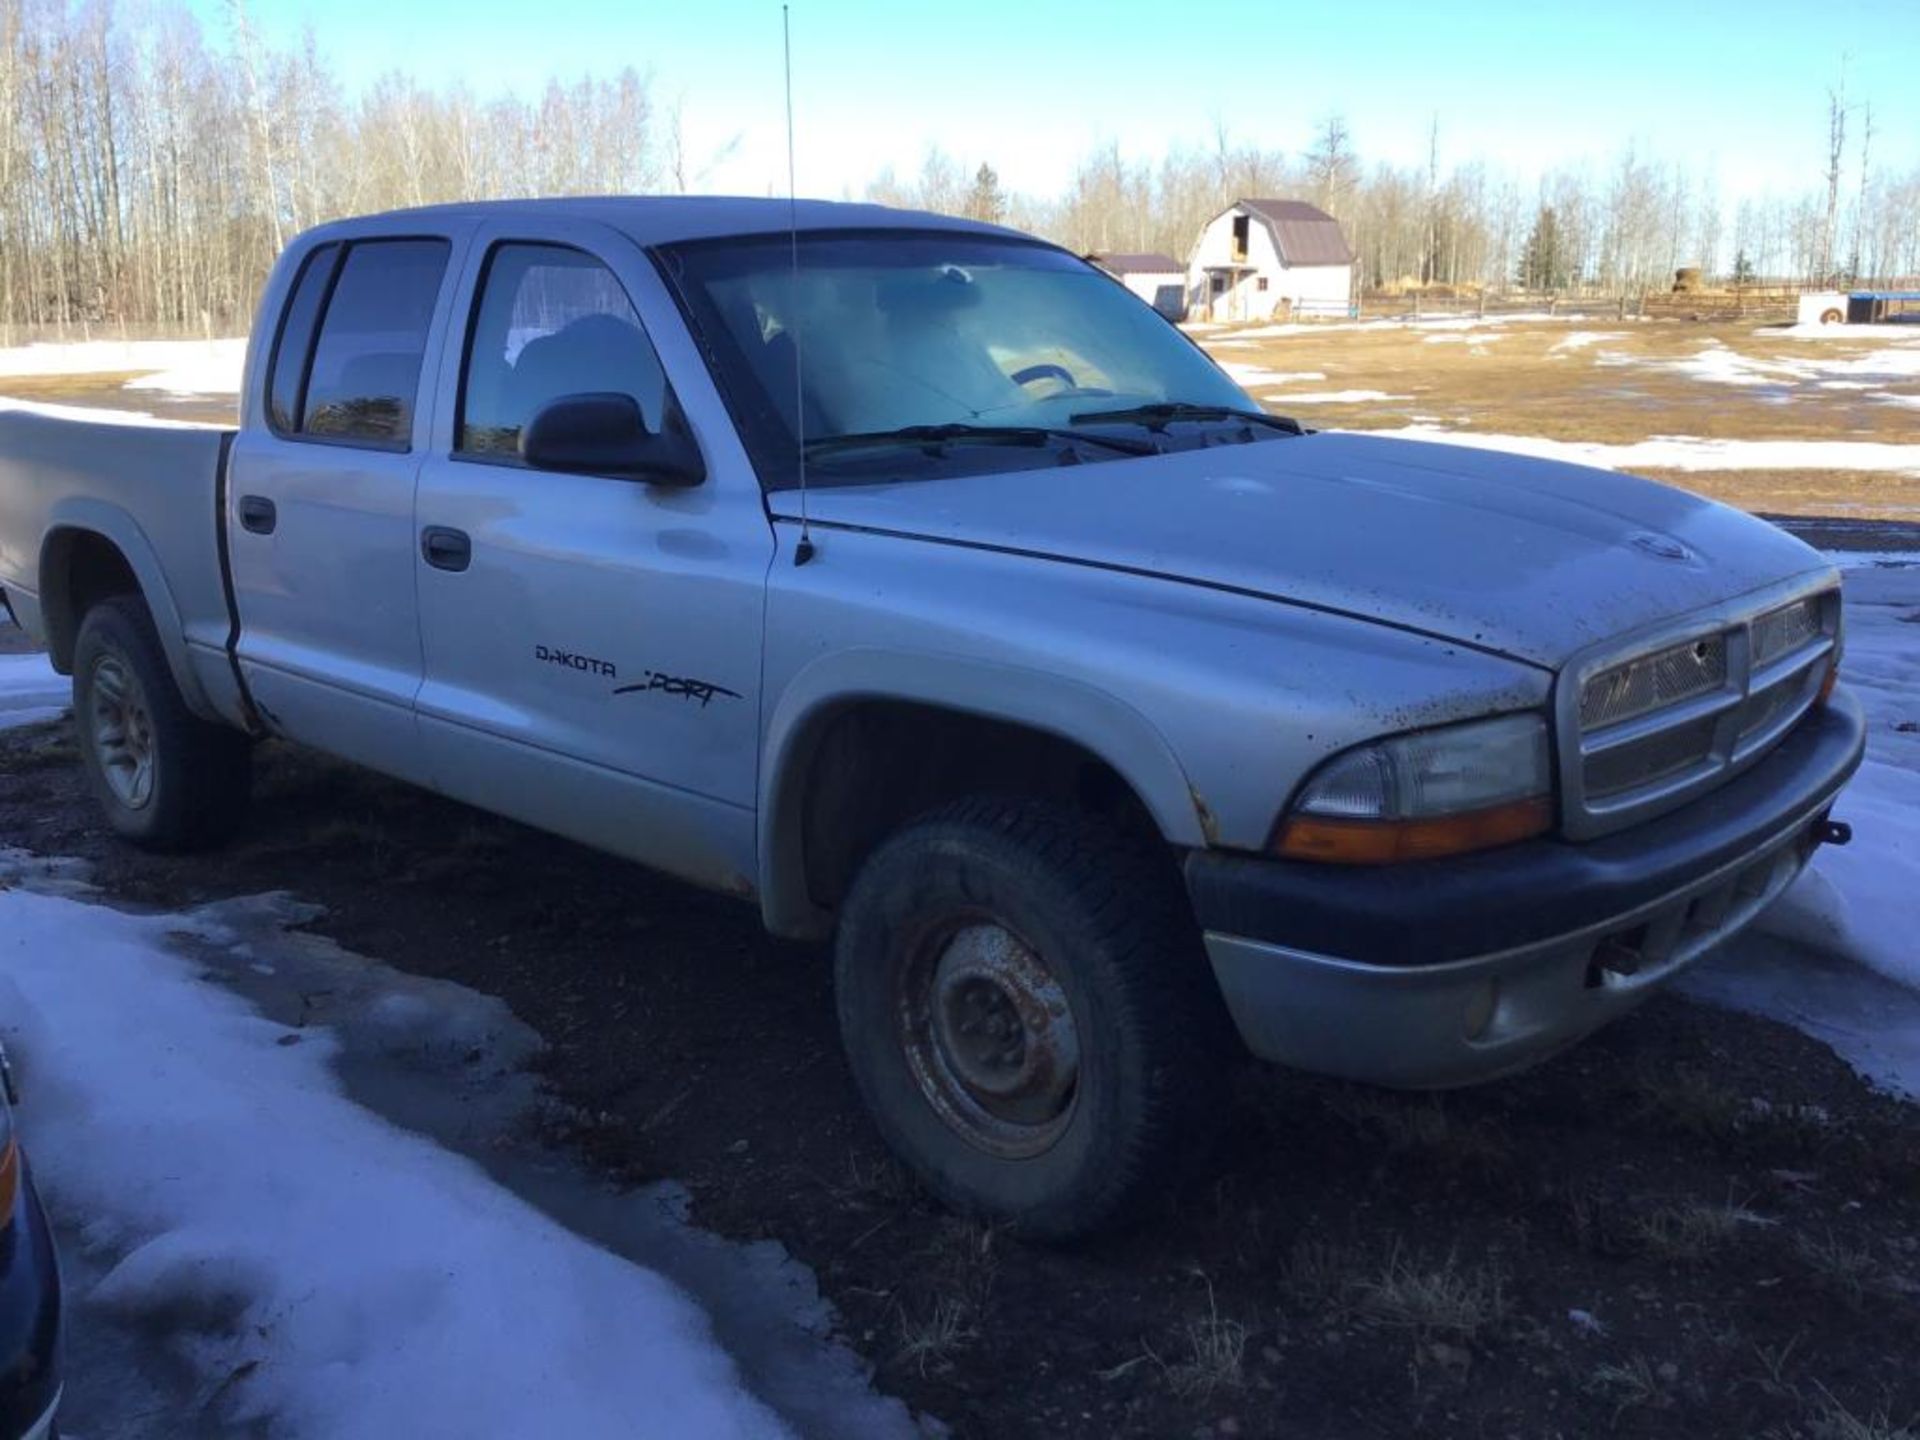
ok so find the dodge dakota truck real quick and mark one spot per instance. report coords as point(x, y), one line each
point(909, 579)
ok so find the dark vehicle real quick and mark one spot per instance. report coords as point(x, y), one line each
point(29, 1292)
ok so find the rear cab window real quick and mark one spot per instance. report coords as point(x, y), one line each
point(346, 366)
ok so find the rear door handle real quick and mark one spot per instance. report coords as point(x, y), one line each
point(446, 549)
point(257, 514)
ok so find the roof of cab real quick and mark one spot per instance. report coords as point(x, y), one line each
point(665, 219)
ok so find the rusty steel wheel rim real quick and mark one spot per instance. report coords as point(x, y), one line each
point(122, 731)
point(989, 1036)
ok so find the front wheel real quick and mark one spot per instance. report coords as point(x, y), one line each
point(165, 778)
point(1028, 1014)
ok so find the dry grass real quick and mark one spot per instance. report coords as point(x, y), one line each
point(933, 1337)
point(1449, 1300)
point(1510, 378)
point(1628, 1385)
point(1831, 1420)
point(1691, 1231)
point(1212, 1350)
point(1691, 1102)
point(1849, 1271)
point(940, 1313)
point(1419, 1125)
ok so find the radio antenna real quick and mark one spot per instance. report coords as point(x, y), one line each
point(803, 551)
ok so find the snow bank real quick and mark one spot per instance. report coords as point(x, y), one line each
point(1244, 374)
point(1332, 397)
point(1836, 332)
point(1686, 452)
point(1867, 901)
point(214, 371)
point(1719, 364)
point(97, 414)
point(1581, 339)
point(1855, 906)
point(214, 365)
point(30, 691)
point(343, 1278)
point(1219, 333)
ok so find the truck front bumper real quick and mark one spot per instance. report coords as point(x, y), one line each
point(1448, 972)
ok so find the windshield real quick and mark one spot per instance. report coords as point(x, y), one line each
point(989, 353)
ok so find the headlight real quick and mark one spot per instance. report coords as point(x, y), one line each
point(1425, 794)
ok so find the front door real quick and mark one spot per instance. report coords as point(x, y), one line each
point(590, 643)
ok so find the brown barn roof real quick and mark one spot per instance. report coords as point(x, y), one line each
point(1138, 263)
point(1303, 234)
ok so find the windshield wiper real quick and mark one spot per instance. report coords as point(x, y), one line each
point(935, 437)
point(1157, 416)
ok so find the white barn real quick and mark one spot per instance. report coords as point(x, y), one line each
point(1257, 258)
point(1160, 280)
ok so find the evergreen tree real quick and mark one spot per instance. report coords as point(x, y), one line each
point(986, 201)
point(1543, 260)
point(1742, 269)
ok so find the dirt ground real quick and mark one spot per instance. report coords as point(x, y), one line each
point(1697, 1224)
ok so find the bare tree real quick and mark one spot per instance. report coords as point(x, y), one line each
point(1836, 153)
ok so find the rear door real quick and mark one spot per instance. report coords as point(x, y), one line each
point(591, 643)
point(320, 497)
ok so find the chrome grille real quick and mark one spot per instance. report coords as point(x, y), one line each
point(1653, 757)
point(1647, 727)
point(1653, 681)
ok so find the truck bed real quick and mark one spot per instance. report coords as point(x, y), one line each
point(154, 491)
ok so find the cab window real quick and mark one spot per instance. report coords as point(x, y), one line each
point(364, 380)
point(549, 321)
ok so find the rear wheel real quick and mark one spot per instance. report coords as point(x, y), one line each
point(165, 778)
point(1028, 1013)
point(1831, 317)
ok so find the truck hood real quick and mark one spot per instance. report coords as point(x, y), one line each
point(1528, 558)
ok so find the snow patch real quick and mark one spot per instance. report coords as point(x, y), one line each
point(1581, 339)
point(1333, 397)
point(97, 414)
point(360, 1280)
point(1246, 375)
point(1854, 906)
point(1687, 452)
point(214, 365)
point(215, 371)
point(1719, 364)
point(31, 691)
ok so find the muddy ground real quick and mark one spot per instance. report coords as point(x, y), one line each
point(1697, 1224)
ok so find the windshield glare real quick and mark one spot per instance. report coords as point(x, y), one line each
point(896, 329)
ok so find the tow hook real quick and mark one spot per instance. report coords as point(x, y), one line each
point(1832, 832)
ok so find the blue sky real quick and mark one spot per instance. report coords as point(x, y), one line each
point(1030, 85)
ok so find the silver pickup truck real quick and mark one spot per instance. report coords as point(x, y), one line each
point(910, 579)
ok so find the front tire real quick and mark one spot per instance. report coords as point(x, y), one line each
point(165, 778)
point(1029, 1015)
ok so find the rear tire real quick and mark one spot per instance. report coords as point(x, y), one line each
point(166, 779)
point(1831, 317)
point(1029, 1015)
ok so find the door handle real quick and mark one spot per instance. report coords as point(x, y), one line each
point(446, 549)
point(257, 514)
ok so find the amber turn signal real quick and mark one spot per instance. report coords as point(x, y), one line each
point(1826, 685)
point(1389, 842)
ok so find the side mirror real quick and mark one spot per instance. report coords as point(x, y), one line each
point(603, 433)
